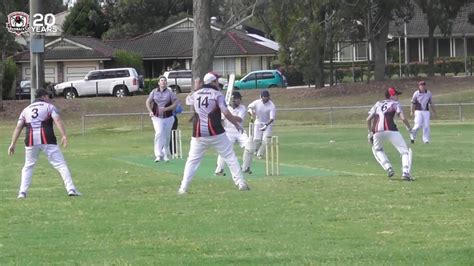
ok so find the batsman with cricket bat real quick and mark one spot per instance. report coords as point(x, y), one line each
point(382, 128)
point(233, 101)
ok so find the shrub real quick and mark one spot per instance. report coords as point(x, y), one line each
point(150, 84)
point(9, 76)
point(294, 77)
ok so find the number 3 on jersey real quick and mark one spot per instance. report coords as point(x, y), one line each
point(35, 113)
point(203, 101)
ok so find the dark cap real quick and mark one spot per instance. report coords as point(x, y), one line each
point(265, 94)
point(236, 95)
point(422, 82)
point(391, 92)
point(42, 92)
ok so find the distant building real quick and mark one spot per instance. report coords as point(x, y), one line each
point(415, 35)
point(71, 57)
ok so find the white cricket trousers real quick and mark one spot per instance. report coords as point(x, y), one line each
point(162, 128)
point(260, 137)
point(422, 120)
point(197, 149)
point(55, 158)
point(398, 142)
point(244, 142)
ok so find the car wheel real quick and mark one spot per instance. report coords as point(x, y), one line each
point(120, 91)
point(272, 86)
point(70, 93)
point(175, 88)
point(236, 88)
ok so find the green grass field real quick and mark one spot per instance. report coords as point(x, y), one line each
point(332, 204)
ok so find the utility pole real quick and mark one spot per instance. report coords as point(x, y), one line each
point(36, 52)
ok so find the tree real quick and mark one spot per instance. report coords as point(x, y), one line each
point(7, 42)
point(135, 17)
point(205, 41)
point(124, 58)
point(374, 16)
point(86, 19)
point(280, 15)
point(439, 14)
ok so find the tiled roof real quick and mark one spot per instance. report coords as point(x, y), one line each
point(418, 26)
point(179, 44)
point(98, 50)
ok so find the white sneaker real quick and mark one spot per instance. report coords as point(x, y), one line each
point(220, 173)
point(182, 191)
point(22, 195)
point(157, 160)
point(73, 193)
point(407, 177)
point(244, 187)
point(167, 158)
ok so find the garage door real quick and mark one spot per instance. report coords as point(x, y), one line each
point(50, 73)
point(76, 71)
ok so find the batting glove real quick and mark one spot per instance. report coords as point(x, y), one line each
point(370, 138)
point(263, 128)
point(240, 129)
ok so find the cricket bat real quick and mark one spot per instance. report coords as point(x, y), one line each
point(230, 89)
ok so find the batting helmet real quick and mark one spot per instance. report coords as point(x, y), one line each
point(236, 95)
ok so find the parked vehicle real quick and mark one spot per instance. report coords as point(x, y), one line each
point(119, 82)
point(181, 80)
point(23, 90)
point(261, 79)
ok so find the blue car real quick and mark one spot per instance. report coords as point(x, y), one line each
point(261, 79)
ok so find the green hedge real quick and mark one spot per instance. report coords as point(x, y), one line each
point(150, 84)
point(442, 66)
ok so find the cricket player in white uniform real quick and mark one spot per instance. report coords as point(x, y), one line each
point(235, 136)
point(38, 120)
point(263, 110)
point(208, 103)
point(420, 107)
point(160, 104)
point(382, 128)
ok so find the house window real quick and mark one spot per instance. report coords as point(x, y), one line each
point(229, 66)
point(459, 47)
point(255, 63)
point(443, 48)
point(426, 43)
point(413, 50)
point(346, 52)
point(218, 66)
point(470, 46)
point(361, 51)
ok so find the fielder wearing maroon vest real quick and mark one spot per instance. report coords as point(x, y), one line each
point(382, 128)
point(208, 103)
point(38, 120)
point(161, 103)
point(420, 108)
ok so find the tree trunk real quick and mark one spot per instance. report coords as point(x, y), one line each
point(380, 45)
point(203, 48)
point(319, 64)
point(1, 84)
point(431, 40)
